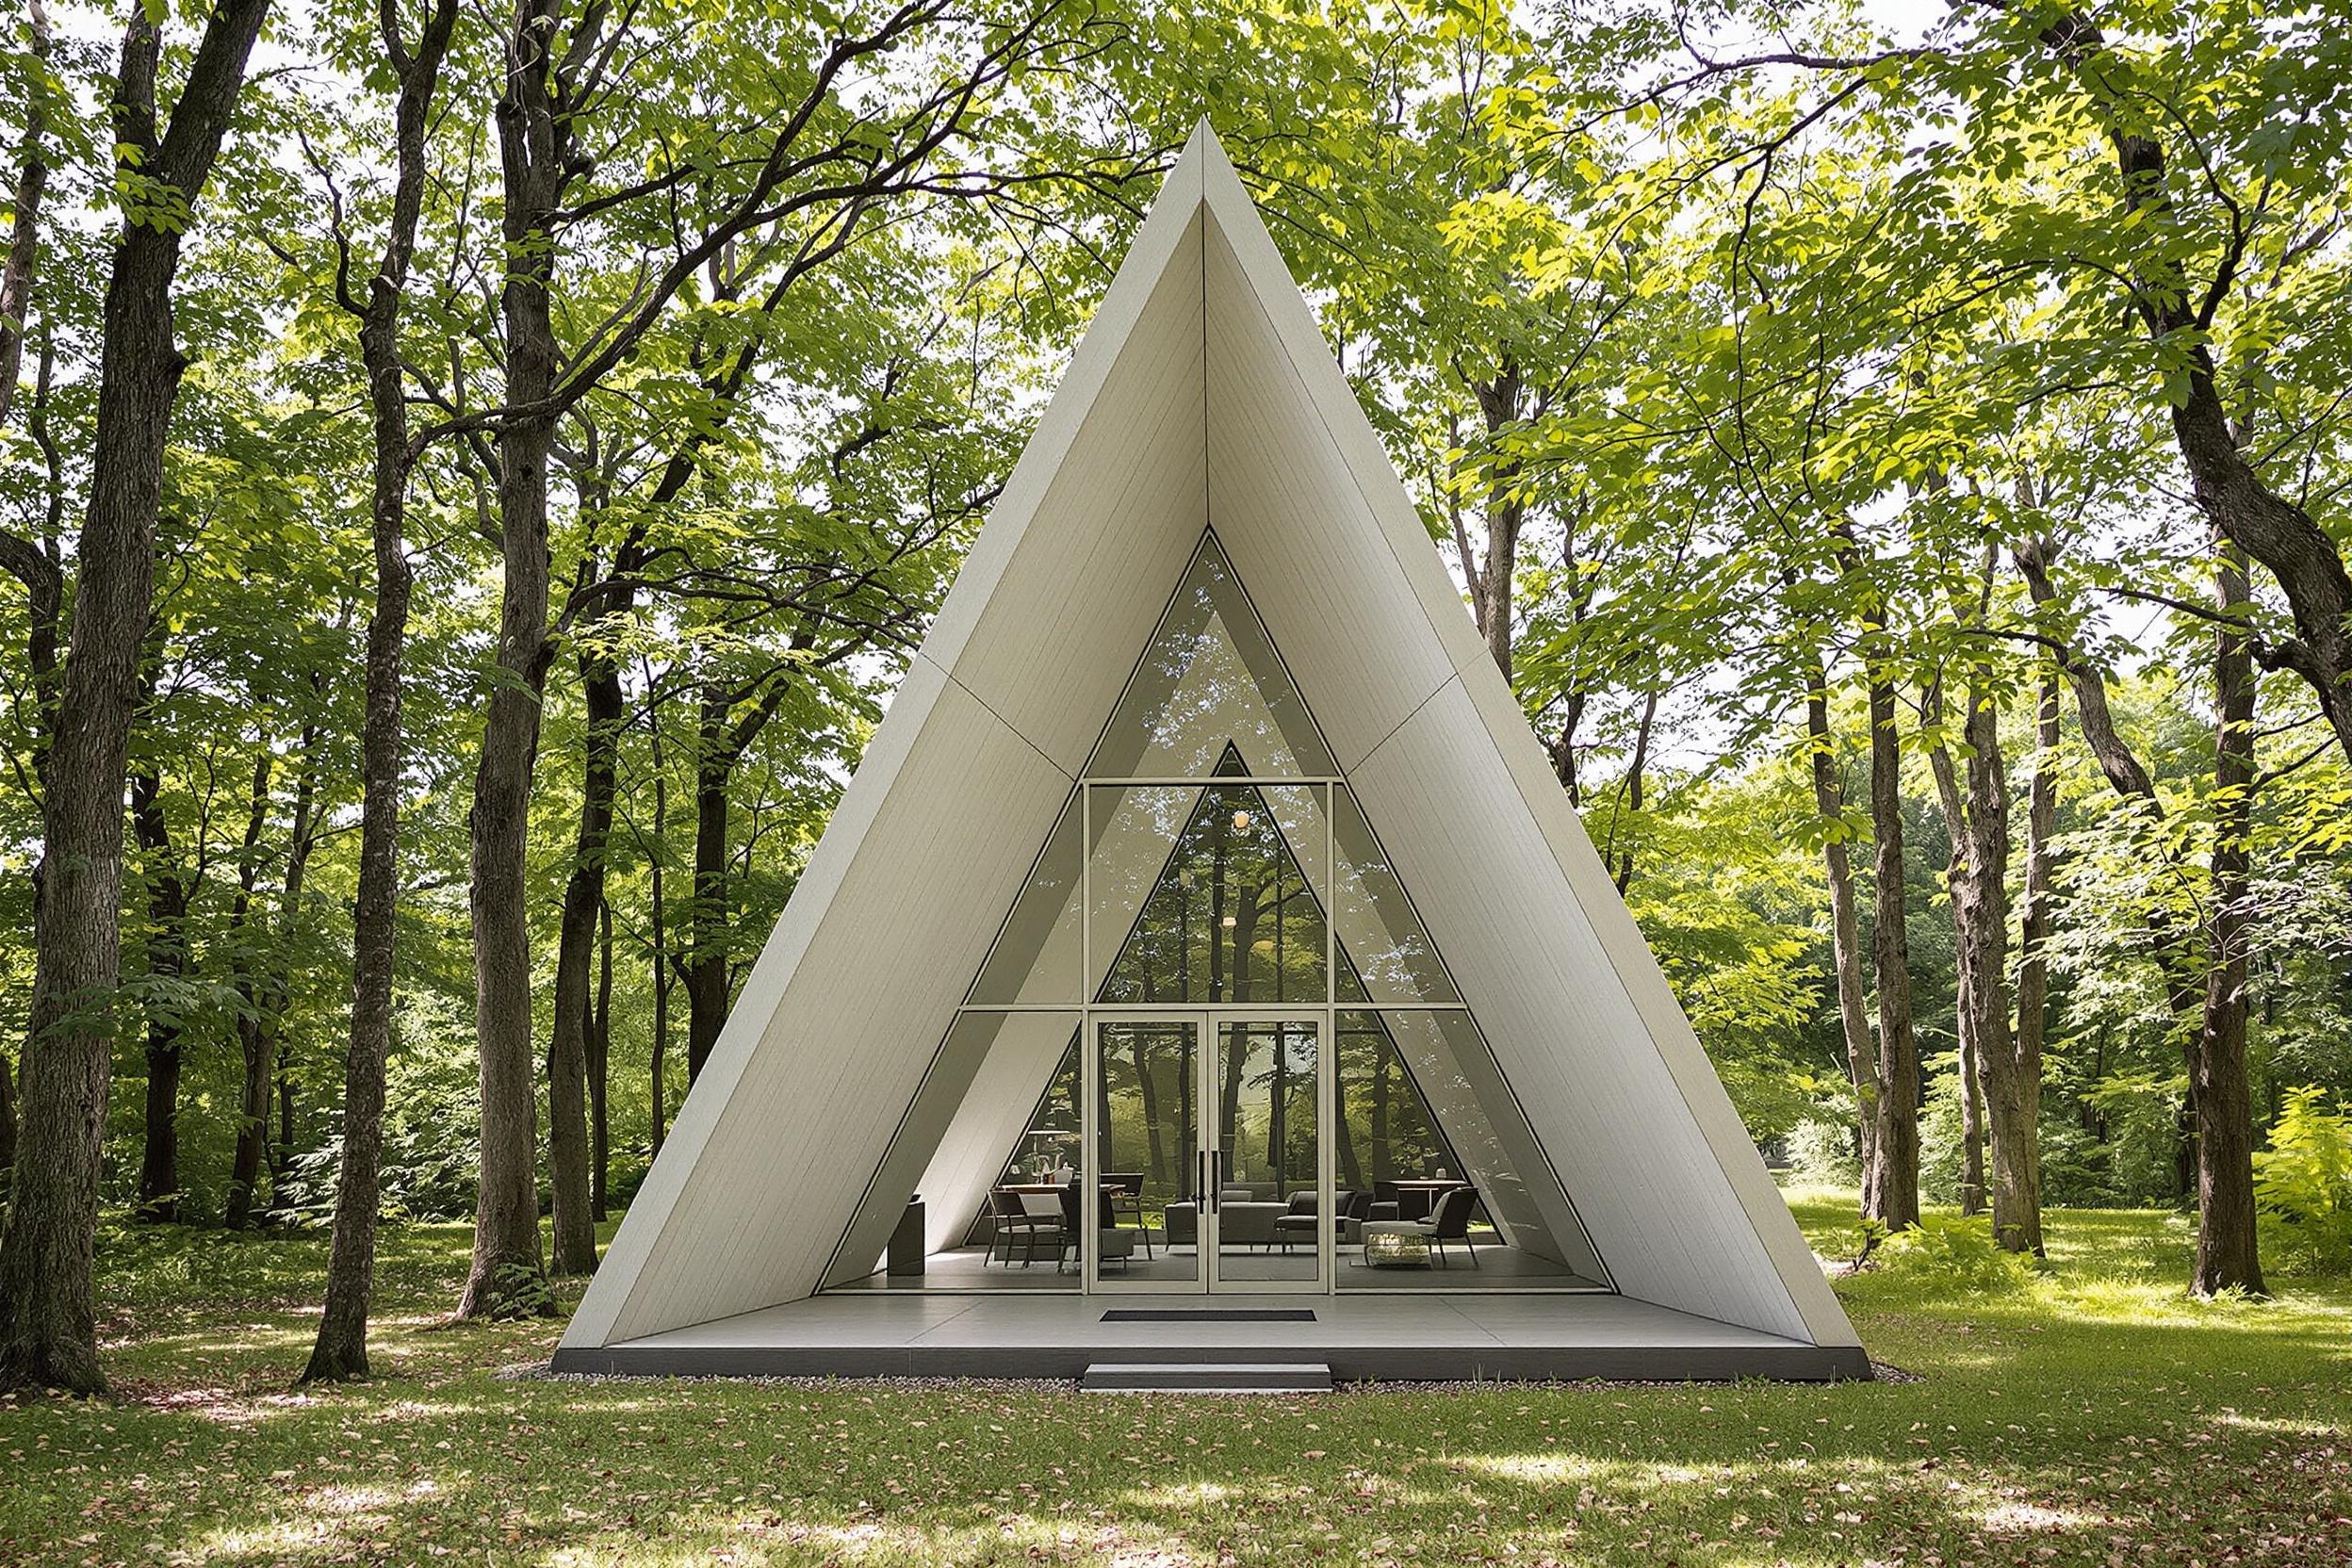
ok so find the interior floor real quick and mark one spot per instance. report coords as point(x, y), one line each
point(1496, 1268)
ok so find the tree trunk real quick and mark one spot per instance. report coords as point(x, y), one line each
point(1637, 768)
point(1971, 1129)
point(282, 1152)
point(32, 182)
point(2041, 824)
point(707, 917)
point(7, 1115)
point(168, 898)
point(1975, 1108)
point(243, 1176)
point(722, 738)
point(1344, 1132)
point(600, 1069)
point(661, 1055)
point(1845, 940)
point(47, 1317)
point(2227, 1253)
point(39, 564)
point(340, 1351)
point(1892, 1185)
point(1154, 1143)
point(573, 1158)
point(1491, 579)
point(508, 1276)
point(2011, 1066)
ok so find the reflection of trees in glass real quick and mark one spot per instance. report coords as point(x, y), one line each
point(1269, 1105)
point(1146, 1073)
point(1379, 934)
point(1385, 1131)
point(1229, 918)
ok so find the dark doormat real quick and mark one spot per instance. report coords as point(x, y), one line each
point(1209, 1314)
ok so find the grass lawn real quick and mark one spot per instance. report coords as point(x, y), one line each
point(2093, 1415)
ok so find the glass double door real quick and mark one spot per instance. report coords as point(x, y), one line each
point(1210, 1156)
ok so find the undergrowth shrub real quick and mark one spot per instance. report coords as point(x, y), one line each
point(1822, 1152)
point(1950, 1251)
point(2303, 1184)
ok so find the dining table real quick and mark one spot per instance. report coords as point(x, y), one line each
point(1427, 1190)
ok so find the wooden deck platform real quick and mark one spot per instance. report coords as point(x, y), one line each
point(1364, 1338)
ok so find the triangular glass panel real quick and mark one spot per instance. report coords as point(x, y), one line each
point(1210, 683)
point(1229, 916)
point(1000, 1101)
point(1385, 951)
point(1424, 1110)
point(1045, 1153)
point(1036, 956)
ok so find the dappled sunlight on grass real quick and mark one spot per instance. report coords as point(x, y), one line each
point(2279, 1424)
point(882, 1543)
point(1538, 1469)
point(1180, 1495)
point(2011, 1517)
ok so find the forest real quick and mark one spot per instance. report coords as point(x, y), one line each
point(472, 477)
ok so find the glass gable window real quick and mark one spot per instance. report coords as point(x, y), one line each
point(1213, 1044)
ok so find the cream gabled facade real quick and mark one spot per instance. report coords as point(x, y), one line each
point(1204, 658)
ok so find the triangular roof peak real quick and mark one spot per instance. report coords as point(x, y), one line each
point(1204, 395)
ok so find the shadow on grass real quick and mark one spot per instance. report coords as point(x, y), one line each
point(1560, 1475)
point(2094, 1413)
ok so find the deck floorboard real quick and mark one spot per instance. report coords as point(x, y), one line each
point(1388, 1337)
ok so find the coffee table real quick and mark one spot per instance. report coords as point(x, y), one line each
point(1403, 1248)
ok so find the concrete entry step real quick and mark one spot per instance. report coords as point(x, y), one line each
point(1207, 1377)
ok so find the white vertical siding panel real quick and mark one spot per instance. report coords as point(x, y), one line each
point(1300, 535)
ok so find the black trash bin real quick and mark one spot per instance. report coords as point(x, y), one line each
point(905, 1254)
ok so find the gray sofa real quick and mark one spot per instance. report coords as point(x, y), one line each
point(1244, 1216)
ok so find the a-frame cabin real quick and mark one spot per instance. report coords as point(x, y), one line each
point(1203, 969)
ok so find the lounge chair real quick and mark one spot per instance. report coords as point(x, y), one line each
point(1299, 1224)
point(1011, 1217)
point(1448, 1222)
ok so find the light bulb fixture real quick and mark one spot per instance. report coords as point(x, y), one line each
point(1228, 922)
point(1242, 820)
